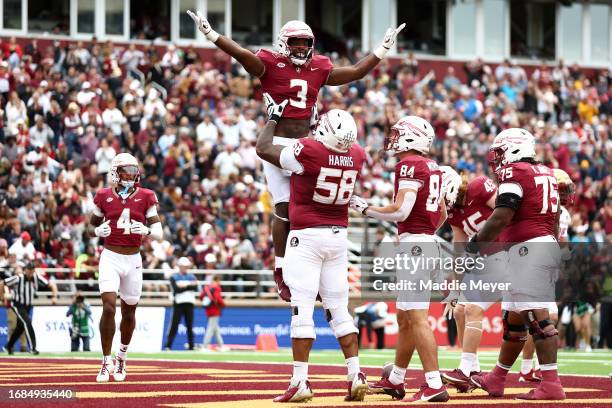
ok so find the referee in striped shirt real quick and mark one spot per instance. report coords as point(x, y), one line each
point(25, 287)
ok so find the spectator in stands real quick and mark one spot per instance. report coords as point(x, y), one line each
point(212, 299)
point(22, 248)
point(184, 289)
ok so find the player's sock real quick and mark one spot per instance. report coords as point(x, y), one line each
point(526, 365)
point(549, 372)
point(106, 359)
point(300, 372)
point(467, 362)
point(397, 375)
point(476, 365)
point(122, 354)
point(278, 262)
point(352, 365)
point(500, 369)
point(433, 379)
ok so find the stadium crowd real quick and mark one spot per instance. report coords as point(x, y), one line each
point(68, 109)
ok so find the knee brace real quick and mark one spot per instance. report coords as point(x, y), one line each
point(520, 328)
point(341, 321)
point(302, 324)
point(540, 329)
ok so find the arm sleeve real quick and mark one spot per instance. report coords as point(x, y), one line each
point(289, 160)
point(400, 214)
point(97, 209)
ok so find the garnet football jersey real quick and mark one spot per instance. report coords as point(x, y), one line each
point(300, 85)
point(425, 214)
point(537, 213)
point(471, 216)
point(564, 222)
point(321, 190)
point(122, 212)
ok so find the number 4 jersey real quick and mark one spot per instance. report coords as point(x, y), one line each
point(422, 174)
point(537, 188)
point(300, 85)
point(322, 182)
point(142, 204)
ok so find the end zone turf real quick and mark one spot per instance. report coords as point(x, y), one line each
point(157, 383)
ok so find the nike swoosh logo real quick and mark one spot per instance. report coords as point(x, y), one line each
point(137, 199)
point(470, 203)
point(424, 398)
point(313, 69)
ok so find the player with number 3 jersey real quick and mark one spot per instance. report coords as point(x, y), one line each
point(120, 216)
point(418, 211)
point(292, 72)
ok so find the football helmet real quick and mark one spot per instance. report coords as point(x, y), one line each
point(298, 54)
point(451, 183)
point(410, 133)
point(124, 171)
point(512, 145)
point(566, 187)
point(337, 130)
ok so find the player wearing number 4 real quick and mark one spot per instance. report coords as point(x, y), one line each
point(292, 72)
point(119, 217)
point(418, 211)
point(324, 172)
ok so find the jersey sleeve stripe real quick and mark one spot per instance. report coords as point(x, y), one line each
point(513, 188)
point(289, 162)
point(410, 184)
point(97, 211)
point(152, 211)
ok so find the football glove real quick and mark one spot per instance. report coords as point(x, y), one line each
point(314, 117)
point(283, 290)
point(139, 228)
point(203, 25)
point(103, 230)
point(387, 42)
point(358, 204)
point(275, 111)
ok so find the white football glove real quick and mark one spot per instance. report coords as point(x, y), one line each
point(449, 303)
point(314, 116)
point(387, 42)
point(203, 25)
point(103, 230)
point(275, 111)
point(139, 228)
point(358, 204)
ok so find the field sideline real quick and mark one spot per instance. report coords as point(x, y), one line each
point(597, 363)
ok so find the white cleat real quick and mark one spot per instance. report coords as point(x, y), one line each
point(120, 373)
point(357, 388)
point(297, 393)
point(104, 373)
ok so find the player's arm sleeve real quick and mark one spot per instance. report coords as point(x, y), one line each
point(152, 210)
point(401, 209)
point(509, 195)
point(289, 160)
point(97, 207)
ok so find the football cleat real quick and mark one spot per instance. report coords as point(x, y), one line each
point(384, 386)
point(546, 390)
point(302, 392)
point(457, 379)
point(357, 388)
point(428, 394)
point(120, 373)
point(104, 373)
point(493, 384)
point(531, 376)
point(7, 349)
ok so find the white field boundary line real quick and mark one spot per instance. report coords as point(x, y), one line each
point(411, 366)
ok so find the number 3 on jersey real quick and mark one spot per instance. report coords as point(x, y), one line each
point(124, 222)
point(338, 193)
point(301, 93)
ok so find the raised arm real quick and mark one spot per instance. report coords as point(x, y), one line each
point(246, 58)
point(344, 75)
point(265, 147)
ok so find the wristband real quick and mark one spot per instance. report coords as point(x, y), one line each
point(381, 51)
point(212, 35)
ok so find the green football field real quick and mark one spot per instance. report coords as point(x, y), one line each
point(598, 362)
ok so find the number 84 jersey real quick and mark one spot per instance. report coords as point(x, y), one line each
point(141, 205)
point(322, 183)
point(421, 174)
point(300, 85)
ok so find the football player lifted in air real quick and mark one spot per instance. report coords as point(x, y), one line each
point(418, 210)
point(324, 172)
point(525, 219)
point(120, 216)
point(292, 72)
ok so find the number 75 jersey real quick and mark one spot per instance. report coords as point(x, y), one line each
point(421, 174)
point(300, 85)
point(538, 190)
point(142, 204)
point(322, 183)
